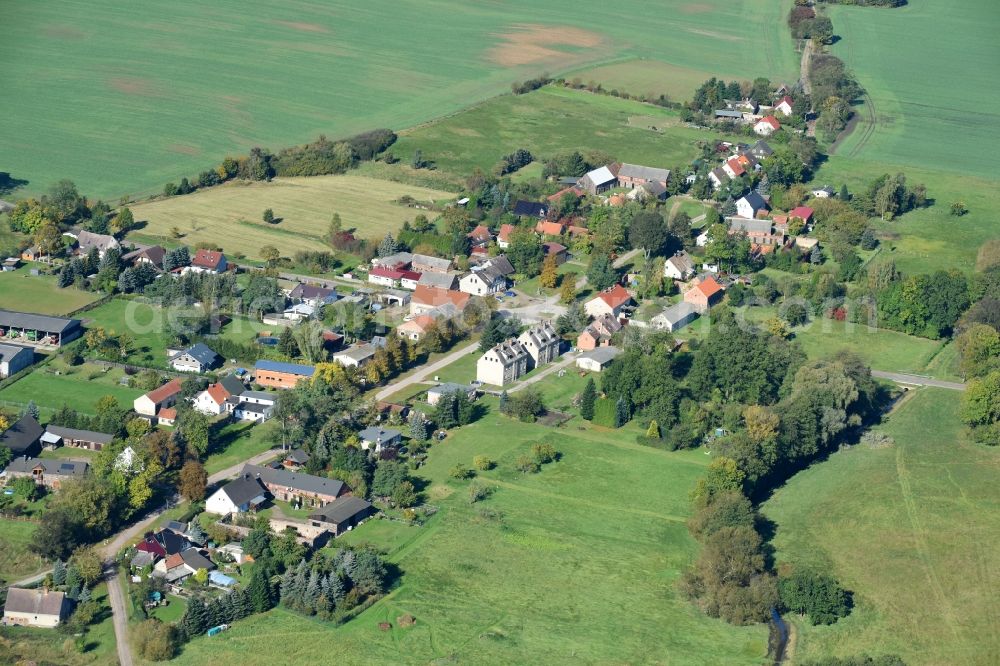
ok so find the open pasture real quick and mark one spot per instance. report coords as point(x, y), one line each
point(21, 291)
point(162, 92)
point(558, 567)
point(911, 529)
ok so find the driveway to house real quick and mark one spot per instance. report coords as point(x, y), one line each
point(421, 375)
point(119, 616)
point(917, 380)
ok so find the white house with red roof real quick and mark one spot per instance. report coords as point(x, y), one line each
point(503, 237)
point(208, 261)
point(610, 301)
point(767, 126)
point(784, 106)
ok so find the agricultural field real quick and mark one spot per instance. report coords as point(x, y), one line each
point(929, 69)
point(21, 291)
point(556, 567)
point(650, 78)
point(549, 121)
point(230, 215)
point(910, 529)
point(140, 118)
point(927, 239)
point(78, 387)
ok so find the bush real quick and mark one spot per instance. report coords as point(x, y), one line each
point(461, 472)
point(527, 464)
point(479, 491)
point(155, 640)
point(544, 453)
point(483, 463)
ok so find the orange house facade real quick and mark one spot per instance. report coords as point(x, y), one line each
point(273, 374)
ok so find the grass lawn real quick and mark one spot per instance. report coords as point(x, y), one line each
point(549, 121)
point(928, 239)
point(16, 561)
point(240, 440)
point(461, 371)
point(910, 530)
point(19, 645)
point(230, 215)
point(173, 611)
point(929, 107)
point(78, 387)
point(564, 568)
point(146, 323)
point(19, 290)
point(139, 119)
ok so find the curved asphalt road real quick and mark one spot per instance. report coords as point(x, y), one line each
point(917, 380)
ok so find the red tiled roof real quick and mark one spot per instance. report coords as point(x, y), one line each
point(804, 213)
point(770, 120)
point(735, 165)
point(207, 259)
point(391, 273)
point(549, 228)
point(575, 191)
point(505, 231)
point(173, 387)
point(553, 248)
point(410, 275)
point(218, 393)
point(420, 323)
point(709, 287)
point(480, 233)
point(167, 413)
point(786, 98)
point(174, 561)
point(436, 296)
point(616, 296)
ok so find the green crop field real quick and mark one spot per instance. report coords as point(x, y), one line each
point(930, 72)
point(575, 570)
point(77, 387)
point(230, 215)
point(160, 93)
point(651, 77)
point(550, 121)
point(927, 239)
point(912, 530)
point(19, 290)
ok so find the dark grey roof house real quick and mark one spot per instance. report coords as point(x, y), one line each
point(197, 358)
point(342, 514)
point(22, 437)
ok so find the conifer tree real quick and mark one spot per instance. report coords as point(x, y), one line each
point(587, 400)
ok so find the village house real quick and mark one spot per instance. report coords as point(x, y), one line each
point(435, 393)
point(541, 342)
point(197, 358)
point(35, 608)
point(102, 242)
point(760, 150)
point(238, 496)
point(600, 180)
point(549, 228)
point(704, 295)
point(598, 333)
point(415, 329)
point(760, 232)
point(295, 460)
point(557, 250)
point(76, 439)
point(678, 267)
point(34, 329)
point(299, 312)
point(491, 278)
point(342, 514)
point(14, 358)
point(718, 177)
point(480, 236)
point(355, 356)
point(207, 261)
point(610, 301)
point(503, 237)
point(824, 192)
point(595, 360)
point(297, 487)
point(423, 263)
point(767, 126)
point(675, 317)
point(804, 213)
point(252, 405)
point(437, 280)
point(312, 295)
point(784, 106)
point(146, 254)
point(503, 363)
point(275, 374)
point(749, 205)
point(22, 438)
point(385, 276)
point(531, 209)
point(212, 401)
point(377, 438)
point(151, 403)
point(634, 175)
point(48, 472)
